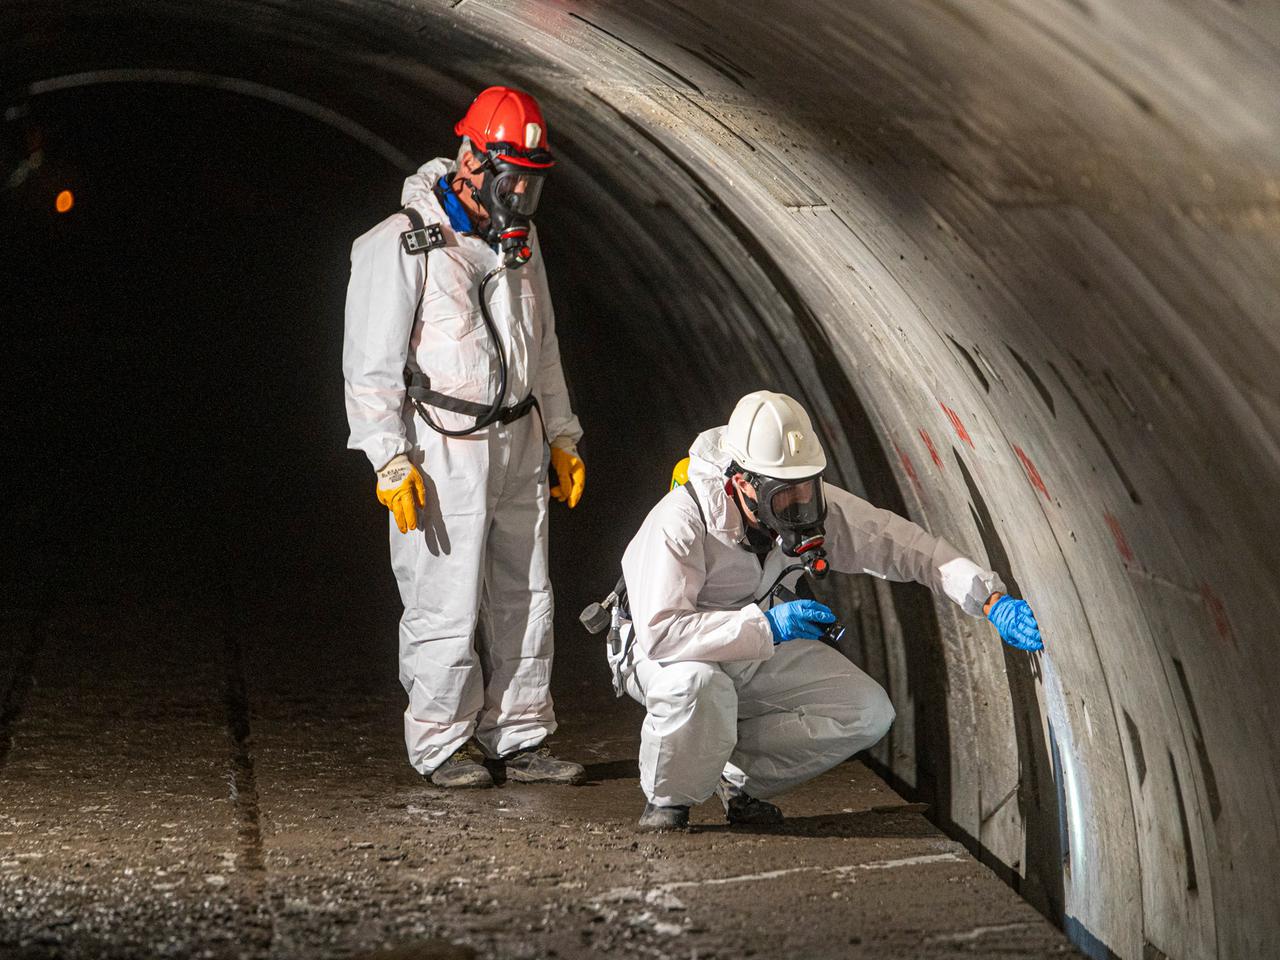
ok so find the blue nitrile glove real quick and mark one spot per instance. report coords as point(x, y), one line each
point(798, 620)
point(1016, 624)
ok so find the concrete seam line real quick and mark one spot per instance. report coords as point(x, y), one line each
point(248, 88)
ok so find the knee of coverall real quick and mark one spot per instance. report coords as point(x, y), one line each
point(869, 713)
point(687, 685)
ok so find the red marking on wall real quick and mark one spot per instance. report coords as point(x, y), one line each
point(1032, 473)
point(1218, 611)
point(933, 453)
point(1122, 542)
point(910, 468)
point(957, 425)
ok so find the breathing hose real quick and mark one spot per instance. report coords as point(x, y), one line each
point(490, 415)
point(778, 580)
point(813, 565)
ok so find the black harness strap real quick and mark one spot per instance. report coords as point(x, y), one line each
point(418, 387)
point(422, 239)
point(696, 502)
point(415, 221)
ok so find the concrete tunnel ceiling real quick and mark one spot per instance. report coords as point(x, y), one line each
point(1020, 259)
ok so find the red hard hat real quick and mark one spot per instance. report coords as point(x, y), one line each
point(511, 121)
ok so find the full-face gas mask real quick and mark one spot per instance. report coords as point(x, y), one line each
point(509, 194)
point(793, 511)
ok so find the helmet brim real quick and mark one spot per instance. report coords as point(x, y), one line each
point(526, 162)
point(798, 471)
point(802, 472)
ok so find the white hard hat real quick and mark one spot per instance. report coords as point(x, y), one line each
point(770, 434)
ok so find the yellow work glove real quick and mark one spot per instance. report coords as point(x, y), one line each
point(571, 476)
point(401, 490)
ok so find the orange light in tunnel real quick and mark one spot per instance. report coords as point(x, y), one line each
point(65, 201)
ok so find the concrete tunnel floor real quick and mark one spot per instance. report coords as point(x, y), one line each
point(200, 737)
point(141, 818)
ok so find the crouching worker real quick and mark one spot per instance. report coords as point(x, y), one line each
point(742, 699)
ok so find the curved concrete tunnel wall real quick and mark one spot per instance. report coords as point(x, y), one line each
point(1021, 261)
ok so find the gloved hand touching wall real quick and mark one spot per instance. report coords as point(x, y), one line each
point(798, 620)
point(571, 475)
point(401, 490)
point(1015, 623)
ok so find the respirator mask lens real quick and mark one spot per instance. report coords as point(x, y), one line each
point(518, 193)
point(799, 506)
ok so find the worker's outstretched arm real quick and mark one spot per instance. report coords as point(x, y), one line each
point(866, 539)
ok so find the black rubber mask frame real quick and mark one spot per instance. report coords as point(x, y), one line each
point(795, 511)
point(510, 194)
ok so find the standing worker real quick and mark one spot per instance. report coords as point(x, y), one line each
point(453, 390)
point(741, 700)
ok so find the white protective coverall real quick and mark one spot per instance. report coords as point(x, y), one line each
point(722, 699)
point(475, 637)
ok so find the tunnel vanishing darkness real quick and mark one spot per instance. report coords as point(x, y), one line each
point(1019, 260)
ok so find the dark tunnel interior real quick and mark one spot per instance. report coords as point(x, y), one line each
point(1020, 262)
point(193, 300)
point(203, 393)
point(190, 298)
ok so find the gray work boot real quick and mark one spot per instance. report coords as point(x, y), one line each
point(743, 808)
point(461, 771)
point(537, 765)
point(656, 819)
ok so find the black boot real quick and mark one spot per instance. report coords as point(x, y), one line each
point(742, 808)
point(461, 771)
point(537, 765)
point(656, 819)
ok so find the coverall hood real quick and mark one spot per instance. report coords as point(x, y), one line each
point(707, 464)
point(417, 192)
